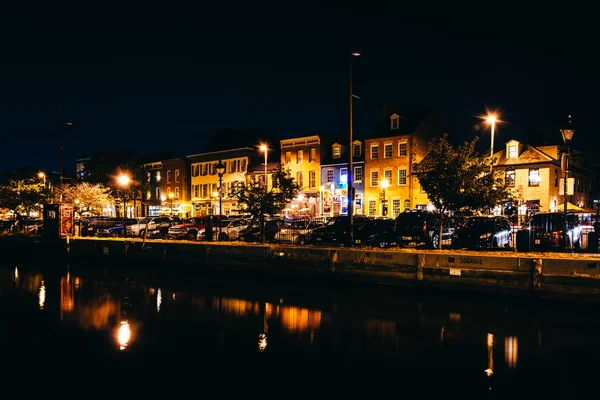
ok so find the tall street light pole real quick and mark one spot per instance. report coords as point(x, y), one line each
point(124, 181)
point(350, 173)
point(171, 195)
point(264, 148)
point(567, 134)
point(491, 119)
point(220, 172)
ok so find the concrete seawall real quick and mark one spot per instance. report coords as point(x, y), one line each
point(556, 275)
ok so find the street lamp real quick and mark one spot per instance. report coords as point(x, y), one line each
point(321, 190)
point(220, 172)
point(264, 148)
point(42, 176)
point(350, 174)
point(384, 184)
point(491, 119)
point(171, 195)
point(124, 181)
point(567, 134)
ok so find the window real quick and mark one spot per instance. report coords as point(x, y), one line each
point(395, 122)
point(555, 178)
point(205, 190)
point(372, 207)
point(169, 176)
point(312, 179)
point(313, 155)
point(148, 175)
point(288, 157)
point(157, 176)
point(196, 190)
point(509, 177)
point(344, 175)
point(356, 150)
point(243, 165)
point(358, 174)
point(387, 150)
point(406, 204)
point(402, 150)
point(336, 152)
point(374, 178)
point(299, 156)
point(387, 175)
point(177, 192)
point(512, 151)
point(329, 175)
point(204, 169)
point(534, 177)
point(148, 195)
point(232, 166)
point(395, 207)
point(158, 194)
point(402, 177)
point(300, 179)
point(176, 175)
point(374, 152)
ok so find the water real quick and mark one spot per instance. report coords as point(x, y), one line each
point(140, 329)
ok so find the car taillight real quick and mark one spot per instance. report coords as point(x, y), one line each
point(556, 238)
point(425, 226)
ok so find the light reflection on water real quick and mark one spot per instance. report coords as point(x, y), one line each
point(217, 322)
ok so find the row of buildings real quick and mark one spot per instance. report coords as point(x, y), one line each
point(381, 173)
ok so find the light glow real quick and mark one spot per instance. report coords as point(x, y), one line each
point(124, 335)
point(123, 180)
point(158, 300)
point(42, 295)
point(262, 342)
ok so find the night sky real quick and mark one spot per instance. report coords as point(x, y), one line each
point(167, 78)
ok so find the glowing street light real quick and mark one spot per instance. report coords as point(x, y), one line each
point(124, 180)
point(492, 119)
point(264, 148)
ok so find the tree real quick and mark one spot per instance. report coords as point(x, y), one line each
point(23, 195)
point(90, 197)
point(454, 178)
point(259, 201)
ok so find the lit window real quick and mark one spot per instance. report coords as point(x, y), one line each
point(509, 178)
point(358, 174)
point(300, 156)
point(534, 177)
point(300, 179)
point(387, 150)
point(329, 175)
point(312, 179)
point(157, 176)
point(374, 178)
point(344, 175)
point(336, 152)
point(313, 155)
point(512, 151)
point(402, 151)
point(401, 177)
point(288, 157)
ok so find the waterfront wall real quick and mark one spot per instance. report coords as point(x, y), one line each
point(556, 275)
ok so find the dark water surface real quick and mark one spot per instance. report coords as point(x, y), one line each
point(141, 330)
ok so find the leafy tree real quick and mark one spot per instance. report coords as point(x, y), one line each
point(24, 195)
point(259, 201)
point(457, 177)
point(85, 196)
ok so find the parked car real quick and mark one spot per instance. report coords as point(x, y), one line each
point(336, 231)
point(544, 232)
point(297, 231)
point(252, 233)
point(189, 228)
point(422, 227)
point(114, 227)
point(155, 226)
point(483, 232)
point(227, 229)
point(379, 232)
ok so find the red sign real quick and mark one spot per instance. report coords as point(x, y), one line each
point(66, 220)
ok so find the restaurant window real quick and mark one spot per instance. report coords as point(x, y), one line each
point(534, 177)
point(509, 177)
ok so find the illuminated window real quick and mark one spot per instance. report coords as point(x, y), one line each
point(288, 157)
point(312, 179)
point(157, 176)
point(300, 179)
point(509, 177)
point(336, 152)
point(372, 207)
point(402, 150)
point(512, 151)
point(407, 204)
point(148, 195)
point(299, 156)
point(344, 175)
point(329, 175)
point(387, 175)
point(534, 177)
point(395, 207)
point(313, 155)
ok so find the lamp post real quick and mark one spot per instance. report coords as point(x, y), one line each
point(567, 134)
point(321, 190)
point(384, 184)
point(220, 172)
point(264, 148)
point(491, 119)
point(124, 181)
point(42, 176)
point(171, 195)
point(350, 174)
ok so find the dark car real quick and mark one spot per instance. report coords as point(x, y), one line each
point(544, 232)
point(483, 232)
point(251, 233)
point(422, 227)
point(113, 227)
point(336, 231)
point(378, 232)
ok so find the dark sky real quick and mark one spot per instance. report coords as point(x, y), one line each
point(167, 78)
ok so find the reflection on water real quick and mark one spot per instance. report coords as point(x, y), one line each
point(222, 321)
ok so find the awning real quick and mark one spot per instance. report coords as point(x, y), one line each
point(571, 207)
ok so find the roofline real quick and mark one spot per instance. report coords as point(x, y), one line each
point(220, 151)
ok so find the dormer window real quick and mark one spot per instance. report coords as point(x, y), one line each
point(512, 151)
point(336, 152)
point(395, 122)
point(357, 151)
